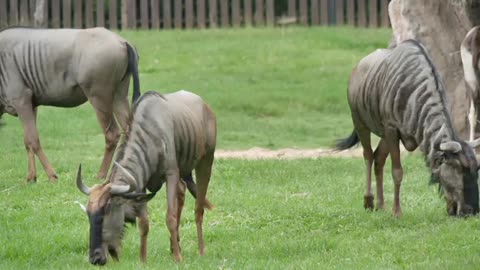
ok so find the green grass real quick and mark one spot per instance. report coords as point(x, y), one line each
point(302, 214)
point(272, 88)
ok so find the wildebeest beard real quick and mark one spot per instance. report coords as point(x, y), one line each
point(96, 228)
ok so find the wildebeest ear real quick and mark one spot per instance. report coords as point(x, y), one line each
point(139, 197)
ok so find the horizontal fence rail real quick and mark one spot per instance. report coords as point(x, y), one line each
point(188, 14)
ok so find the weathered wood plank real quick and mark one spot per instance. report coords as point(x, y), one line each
point(236, 17)
point(351, 12)
point(362, 15)
point(324, 12)
point(340, 17)
point(247, 10)
point(189, 15)
point(3, 14)
point(303, 12)
point(212, 14)
point(89, 22)
point(113, 14)
point(100, 13)
point(225, 20)
point(155, 14)
point(259, 16)
point(78, 14)
point(167, 14)
point(201, 23)
point(144, 13)
point(270, 9)
point(178, 14)
point(373, 14)
point(314, 12)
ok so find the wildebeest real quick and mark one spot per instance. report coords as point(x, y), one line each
point(397, 94)
point(65, 68)
point(470, 52)
point(170, 136)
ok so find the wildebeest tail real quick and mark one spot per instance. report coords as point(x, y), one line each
point(132, 69)
point(192, 188)
point(348, 142)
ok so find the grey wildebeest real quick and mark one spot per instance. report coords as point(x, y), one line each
point(65, 68)
point(170, 136)
point(470, 52)
point(397, 94)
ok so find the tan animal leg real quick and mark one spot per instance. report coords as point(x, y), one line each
point(364, 136)
point(397, 170)
point(121, 110)
point(380, 156)
point(111, 133)
point(172, 210)
point(143, 227)
point(28, 117)
point(203, 172)
point(181, 202)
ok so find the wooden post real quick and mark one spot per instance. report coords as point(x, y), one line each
point(384, 11)
point(292, 8)
point(224, 13)
point(89, 14)
point(351, 12)
point(3, 14)
point(178, 14)
point(236, 18)
point(77, 14)
point(247, 12)
point(189, 16)
point(67, 14)
point(112, 15)
point(340, 20)
point(144, 13)
point(303, 12)
point(55, 23)
point(167, 14)
point(324, 11)
point(213, 13)
point(201, 14)
point(155, 14)
point(373, 14)
point(259, 18)
point(13, 12)
point(314, 14)
point(100, 13)
point(362, 16)
point(132, 14)
point(24, 14)
point(124, 13)
point(270, 12)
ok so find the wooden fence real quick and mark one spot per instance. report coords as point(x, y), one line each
point(181, 14)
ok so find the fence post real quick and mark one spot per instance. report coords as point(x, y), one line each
point(362, 16)
point(100, 13)
point(259, 19)
point(224, 13)
point(24, 15)
point(3, 14)
point(248, 12)
point(236, 13)
point(340, 20)
point(67, 14)
point(155, 14)
point(144, 13)
point(167, 14)
point(212, 14)
point(324, 11)
point(270, 12)
point(314, 12)
point(373, 14)
point(303, 12)
point(112, 14)
point(40, 15)
point(13, 12)
point(201, 13)
point(351, 12)
point(89, 14)
point(384, 11)
point(55, 22)
point(178, 14)
point(189, 15)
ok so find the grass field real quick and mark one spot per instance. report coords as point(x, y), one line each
point(270, 88)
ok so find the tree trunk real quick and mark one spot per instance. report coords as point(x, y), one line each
point(441, 26)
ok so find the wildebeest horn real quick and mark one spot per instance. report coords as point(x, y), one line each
point(451, 146)
point(474, 143)
point(130, 178)
point(119, 189)
point(84, 189)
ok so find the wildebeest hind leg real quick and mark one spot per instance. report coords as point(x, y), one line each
point(364, 136)
point(203, 172)
point(143, 227)
point(28, 117)
point(181, 202)
point(173, 178)
point(121, 110)
point(111, 133)
point(380, 156)
point(393, 142)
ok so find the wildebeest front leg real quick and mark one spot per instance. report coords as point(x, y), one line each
point(143, 227)
point(28, 116)
point(364, 136)
point(111, 133)
point(181, 187)
point(172, 211)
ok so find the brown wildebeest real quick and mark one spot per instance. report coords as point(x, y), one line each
point(397, 94)
point(65, 68)
point(170, 136)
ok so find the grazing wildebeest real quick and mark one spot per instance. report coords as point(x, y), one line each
point(470, 52)
point(65, 68)
point(398, 95)
point(170, 135)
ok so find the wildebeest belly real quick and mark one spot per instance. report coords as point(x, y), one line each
point(61, 94)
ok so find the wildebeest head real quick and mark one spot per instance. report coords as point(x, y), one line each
point(455, 170)
point(108, 209)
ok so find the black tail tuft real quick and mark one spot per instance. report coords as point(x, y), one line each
point(349, 142)
point(133, 70)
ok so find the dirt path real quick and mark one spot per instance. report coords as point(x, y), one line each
point(256, 153)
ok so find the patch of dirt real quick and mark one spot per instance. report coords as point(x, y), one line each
point(257, 153)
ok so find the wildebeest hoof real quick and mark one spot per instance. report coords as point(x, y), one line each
point(177, 258)
point(53, 178)
point(32, 179)
point(397, 212)
point(368, 202)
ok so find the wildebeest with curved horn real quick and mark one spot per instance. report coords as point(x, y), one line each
point(65, 68)
point(398, 95)
point(170, 136)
